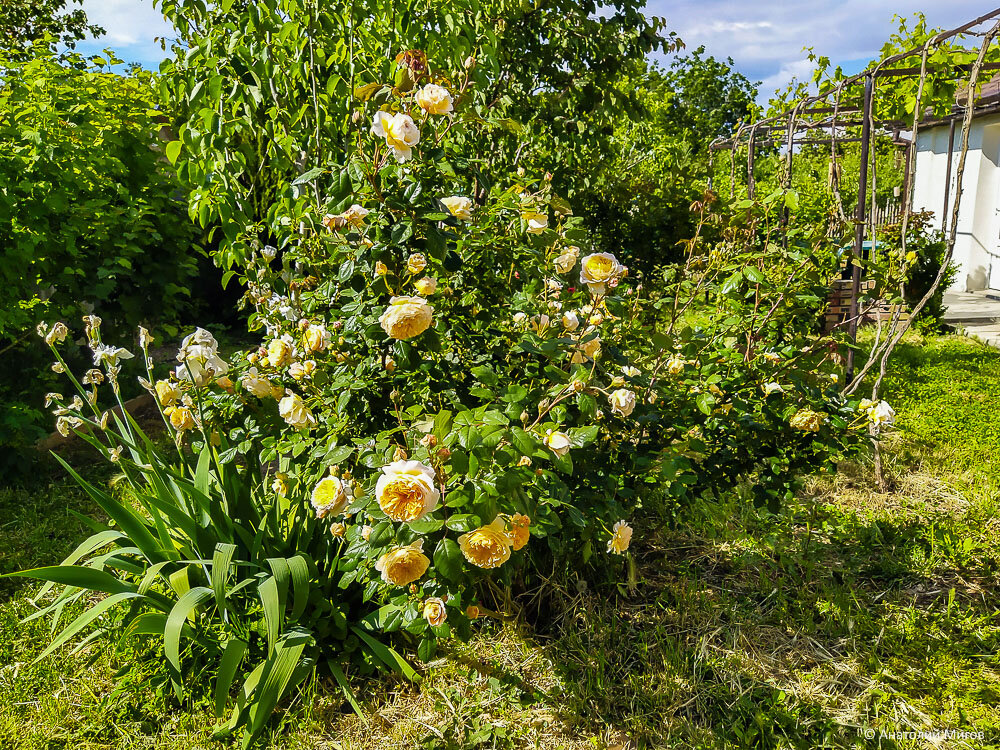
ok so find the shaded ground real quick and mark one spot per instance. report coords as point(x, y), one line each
point(855, 611)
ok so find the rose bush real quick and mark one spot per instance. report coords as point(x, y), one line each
point(453, 394)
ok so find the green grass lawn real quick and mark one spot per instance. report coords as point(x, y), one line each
point(854, 611)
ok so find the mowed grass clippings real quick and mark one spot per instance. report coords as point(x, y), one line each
point(852, 611)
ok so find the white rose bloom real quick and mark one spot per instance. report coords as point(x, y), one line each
point(425, 286)
point(770, 388)
point(631, 372)
point(458, 206)
point(400, 132)
point(269, 253)
point(565, 262)
point(520, 318)
point(258, 386)
point(622, 401)
point(435, 100)
point(570, 321)
point(294, 412)
point(599, 270)
point(557, 442)
point(537, 222)
point(406, 491)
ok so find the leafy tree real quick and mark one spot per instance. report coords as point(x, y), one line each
point(24, 22)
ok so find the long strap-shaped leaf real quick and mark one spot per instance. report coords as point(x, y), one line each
point(341, 678)
point(221, 561)
point(172, 632)
point(85, 619)
point(76, 575)
point(388, 656)
point(129, 521)
point(90, 544)
point(277, 680)
point(231, 658)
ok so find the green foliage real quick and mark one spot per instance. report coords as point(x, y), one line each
point(88, 216)
point(25, 22)
point(638, 194)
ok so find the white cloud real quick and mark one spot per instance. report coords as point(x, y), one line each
point(766, 38)
point(131, 27)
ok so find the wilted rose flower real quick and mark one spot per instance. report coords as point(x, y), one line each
point(329, 497)
point(199, 358)
point(472, 612)
point(435, 100)
point(338, 529)
point(406, 491)
point(57, 335)
point(458, 206)
point(540, 323)
point(622, 401)
point(380, 269)
point(807, 420)
point(434, 611)
point(400, 132)
point(403, 565)
point(675, 365)
point(259, 386)
point(770, 388)
point(406, 317)
point(93, 377)
point(557, 442)
point(598, 270)
point(355, 215)
point(425, 286)
point(520, 318)
point(881, 414)
point(293, 410)
point(488, 546)
point(621, 538)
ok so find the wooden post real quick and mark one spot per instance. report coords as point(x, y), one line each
point(859, 228)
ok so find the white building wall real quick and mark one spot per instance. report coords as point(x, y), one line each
point(977, 242)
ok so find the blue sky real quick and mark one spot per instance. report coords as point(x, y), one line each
point(764, 37)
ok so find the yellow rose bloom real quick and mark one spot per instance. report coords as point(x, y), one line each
point(488, 546)
point(280, 351)
point(537, 222)
point(434, 611)
point(167, 393)
point(405, 492)
point(329, 497)
point(294, 411)
point(400, 132)
point(425, 286)
point(181, 418)
point(557, 442)
point(458, 206)
point(416, 263)
point(598, 270)
point(316, 338)
point(519, 530)
point(406, 317)
point(403, 565)
point(435, 100)
point(621, 538)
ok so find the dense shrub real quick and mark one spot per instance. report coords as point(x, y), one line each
point(89, 218)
